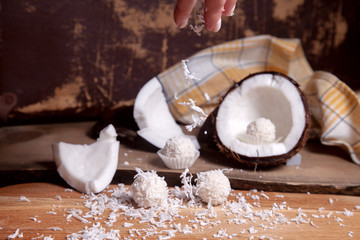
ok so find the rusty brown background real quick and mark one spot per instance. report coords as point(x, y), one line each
point(71, 60)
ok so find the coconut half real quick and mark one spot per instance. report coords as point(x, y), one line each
point(263, 120)
point(153, 116)
point(89, 168)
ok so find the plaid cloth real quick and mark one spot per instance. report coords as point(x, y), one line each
point(334, 105)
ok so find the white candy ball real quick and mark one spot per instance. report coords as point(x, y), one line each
point(149, 190)
point(213, 186)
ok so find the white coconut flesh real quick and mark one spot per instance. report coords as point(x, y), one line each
point(153, 117)
point(264, 116)
point(89, 168)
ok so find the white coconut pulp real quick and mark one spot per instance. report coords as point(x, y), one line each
point(153, 116)
point(89, 168)
point(264, 96)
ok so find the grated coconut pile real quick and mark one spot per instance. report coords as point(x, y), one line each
point(113, 214)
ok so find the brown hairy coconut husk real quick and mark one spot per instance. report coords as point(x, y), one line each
point(262, 121)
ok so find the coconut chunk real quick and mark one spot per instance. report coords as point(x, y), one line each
point(88, 168)
point(153, 117)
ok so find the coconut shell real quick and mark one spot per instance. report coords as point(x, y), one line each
point(268, 161)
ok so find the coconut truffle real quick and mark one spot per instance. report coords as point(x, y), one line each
point(262, 129)
point(179, 153)
point(149, 190)
point(213, 186)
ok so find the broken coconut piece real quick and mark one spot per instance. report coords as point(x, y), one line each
point(149, 190)
point(153, 117)
point(88, 168)
point(179, 153)
point(213, 186)
point(263, 120)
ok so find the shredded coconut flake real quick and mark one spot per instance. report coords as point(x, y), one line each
point(55, 228)
point(14, 235)
point(197, 119)
point(188, 74)
point(23, 199)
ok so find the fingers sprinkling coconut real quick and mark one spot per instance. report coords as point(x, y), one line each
point(213, 186)
point(149, 190)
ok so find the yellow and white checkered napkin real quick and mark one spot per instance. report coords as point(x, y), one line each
point(214, 70)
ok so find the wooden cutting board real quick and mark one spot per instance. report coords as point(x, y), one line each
point(39, 210)
point(26, 155)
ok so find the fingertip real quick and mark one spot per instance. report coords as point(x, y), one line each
point(229, 13)
point(183, 23)
point(217, 26)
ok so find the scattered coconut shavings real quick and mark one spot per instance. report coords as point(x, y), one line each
point(14, 235)
point(313, 224)
point(338, 219)
point(76, 213)
point(300, 217)
point(264, 195)
point(223, 234)
point(55, 228)
point(24, 199)
point(58, 197)
point(116, 204)
point(35, 219)
point(265, 238)
point(95, 232)
point(331, 201)
point(41, 236)
point(357, 207)
point(346, 212)
point(127, 225)
point(188, 190)
point(252, 230)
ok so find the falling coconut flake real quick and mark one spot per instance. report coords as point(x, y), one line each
point(198, 18)
point(197, 119)
point(188, 75)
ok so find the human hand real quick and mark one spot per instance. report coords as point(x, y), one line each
point(214, 9)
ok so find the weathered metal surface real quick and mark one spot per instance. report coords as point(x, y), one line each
point(68, 60)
